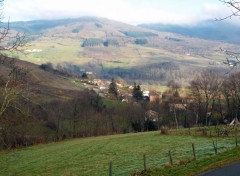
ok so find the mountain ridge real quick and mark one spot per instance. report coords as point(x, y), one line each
point(211, 30)
point(115, 49)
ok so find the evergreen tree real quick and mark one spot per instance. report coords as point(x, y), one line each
point(113, 88)
point(84, 76)
point(137, 93)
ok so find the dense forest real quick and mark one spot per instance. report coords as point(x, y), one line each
point(91, 42)
point(141, 41)
point(139, 34)
point(155, 73)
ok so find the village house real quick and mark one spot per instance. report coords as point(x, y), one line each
point(155, 97)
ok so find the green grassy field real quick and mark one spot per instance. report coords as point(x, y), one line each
point(90, 156)
point(55, 51)
point(67, 49)
point(198, 166)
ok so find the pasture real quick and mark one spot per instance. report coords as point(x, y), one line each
point(91, 156)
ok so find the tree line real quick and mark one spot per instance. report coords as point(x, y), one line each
point(92, 42)
point(216, 97)
point(136, 34)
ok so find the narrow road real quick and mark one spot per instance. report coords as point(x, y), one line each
point(231, 170)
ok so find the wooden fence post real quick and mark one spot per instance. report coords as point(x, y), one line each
point(236, 140)
point(110, 168)
point(193, 149)
point(144, 162)
point(170, 157)
point(215, 146)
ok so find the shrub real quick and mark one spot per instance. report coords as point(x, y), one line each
point(98, 25)
point(84, 76)
point(75, 30)
point(47, 67)
point(164, 130)
point(141, 41)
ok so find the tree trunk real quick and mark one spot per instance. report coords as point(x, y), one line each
point(175, 116)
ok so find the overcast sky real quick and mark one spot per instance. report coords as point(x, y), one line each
point(128, 11)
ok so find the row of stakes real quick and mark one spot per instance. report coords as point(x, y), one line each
point(170, 156)
point(145, 162)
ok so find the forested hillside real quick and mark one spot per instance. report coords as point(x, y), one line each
point(107, 47)
point(210, 30)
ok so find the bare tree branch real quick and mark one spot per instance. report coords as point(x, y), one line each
point(232, 58)
point(235, 9)
point(9, 40)
point(13, 87)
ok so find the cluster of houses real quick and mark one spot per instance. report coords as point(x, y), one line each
point(101, 87)
point(125, 95)
point(33, 51)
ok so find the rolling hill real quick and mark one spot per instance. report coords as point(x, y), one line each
point(114, 49)
point(44, 83)
point(210, 30)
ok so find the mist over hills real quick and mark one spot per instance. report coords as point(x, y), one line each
point(114, 49)
point(210, 30)
point(37, 26)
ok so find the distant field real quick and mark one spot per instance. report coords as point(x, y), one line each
point(90, 156)
point(58, 50)
point(55, 51)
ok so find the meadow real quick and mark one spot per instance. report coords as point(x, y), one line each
point(91, 156)
point(68, 49)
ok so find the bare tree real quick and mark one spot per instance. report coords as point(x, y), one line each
point(232, 57)
point(205, 89)
point(13, 81)
point(9, 40)
point(174, 86)
point(234, 7)
point(11, 86)
point(231, 93)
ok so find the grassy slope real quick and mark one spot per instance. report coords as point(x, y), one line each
point(70, 50)
point(90, 156)
point(55, 51)
point(47, 78)
point(199, 166)
point(47, 85)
